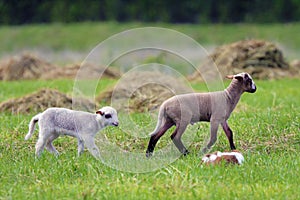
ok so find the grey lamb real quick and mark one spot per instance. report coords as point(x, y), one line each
point(54, 122)
point(213, 107)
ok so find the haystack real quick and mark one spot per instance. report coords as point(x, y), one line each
point(24, 67)
point(28, 66)
point(39, 101)
point(143, 91)
point(295, 67)
point(87, 71)
point(262, 59)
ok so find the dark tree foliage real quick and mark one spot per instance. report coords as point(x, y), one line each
point(174, 11)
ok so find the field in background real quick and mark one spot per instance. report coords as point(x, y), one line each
point(266, 127)
point(64, 42)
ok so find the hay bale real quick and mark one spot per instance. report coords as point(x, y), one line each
point(148, 97)
point(246, 53)
point(40, 101)
point(295, 67)
point(295, 64)
point(87, 71)
point(27, 66)
point(1, 72)
point(142, 91)
point(261, 59)
point(24, 67)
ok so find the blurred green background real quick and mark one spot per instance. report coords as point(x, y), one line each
point(15, 12)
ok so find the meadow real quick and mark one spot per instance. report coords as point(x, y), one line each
point(266, 128)
point(83, 37)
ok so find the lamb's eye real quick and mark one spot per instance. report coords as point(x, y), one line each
point(107, 116)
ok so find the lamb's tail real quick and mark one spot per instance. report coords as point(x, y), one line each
point(32, 123)
point(160, 120)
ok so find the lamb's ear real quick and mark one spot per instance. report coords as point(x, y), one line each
point(238, 77)
point(229, 76)
point(99, 112)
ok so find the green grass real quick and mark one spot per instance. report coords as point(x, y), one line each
point(14, 89)
point(266, 128)
point(85, 36)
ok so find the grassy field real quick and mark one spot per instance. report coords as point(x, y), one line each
point(83, 37)
point(266, 128)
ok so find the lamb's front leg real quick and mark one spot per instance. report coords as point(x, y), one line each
point(214, 125)
point(229, 134)
point(90, 144)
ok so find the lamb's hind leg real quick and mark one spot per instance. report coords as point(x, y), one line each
point(229, 134)
point(176, 138)
point(80, 146)
point(155, 137)
point(40, 144)
point(49, 145)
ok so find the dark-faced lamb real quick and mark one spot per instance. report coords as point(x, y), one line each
point(213, 107)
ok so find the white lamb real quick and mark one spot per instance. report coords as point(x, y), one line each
point(54, 122)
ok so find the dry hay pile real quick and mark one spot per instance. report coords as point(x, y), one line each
point(143, 91)
point(40, 101)
point(295, 67)
point(24, 67)
point(261, 59)
point(87, 71)
point(28, 66)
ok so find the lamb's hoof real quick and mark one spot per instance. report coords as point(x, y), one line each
point(149, 154)
point(185, 153)
point(204, 150)
point(56, 155)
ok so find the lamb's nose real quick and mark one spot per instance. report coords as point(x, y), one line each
point(115, 123)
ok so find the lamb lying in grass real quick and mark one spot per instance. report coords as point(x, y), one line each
point(54, 122)
point(214, 107)
point(216, 158)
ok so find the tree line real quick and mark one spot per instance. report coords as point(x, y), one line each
point(14, 12)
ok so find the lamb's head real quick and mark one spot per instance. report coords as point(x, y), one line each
point(109, 116)
point(210, 157)
point(246, 80)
